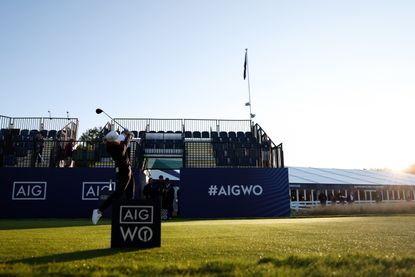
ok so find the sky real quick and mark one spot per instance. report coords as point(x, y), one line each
point(332, 80)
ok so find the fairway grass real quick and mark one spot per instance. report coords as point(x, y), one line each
point(334, 246)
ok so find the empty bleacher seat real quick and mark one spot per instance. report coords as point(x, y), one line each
point(240, 135)
point(223, 136)
point(197, 134)
point(214, 135)
point(205, 134)
point(187, 134)
point(44, 133)
point(232, 136)
point(33, 133)
point(52, 133)
point(248, 134)
point(24, 133)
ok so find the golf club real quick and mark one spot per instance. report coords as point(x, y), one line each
point(99, 111)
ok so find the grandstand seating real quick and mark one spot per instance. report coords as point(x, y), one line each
point(197, 134)
point(227, 149)
point(24, 133)
point(52, 134)
point(187, 134)
point(17, 146)
point(167, 144)
point(33, 133)
point(197, 148)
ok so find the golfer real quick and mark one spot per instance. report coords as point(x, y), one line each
point(117, 146)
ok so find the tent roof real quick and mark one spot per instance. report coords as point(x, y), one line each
point(309, 175)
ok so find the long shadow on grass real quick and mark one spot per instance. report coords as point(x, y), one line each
point(73, 256)
point(14, 224)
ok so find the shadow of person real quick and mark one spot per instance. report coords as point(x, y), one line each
point(72, 256)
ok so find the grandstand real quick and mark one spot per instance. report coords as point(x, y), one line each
point(18, 137)
point(158, 143)
point(176, 145)
point(212, 150)
point(201, 143)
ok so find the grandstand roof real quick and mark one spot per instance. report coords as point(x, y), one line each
point(331, 176)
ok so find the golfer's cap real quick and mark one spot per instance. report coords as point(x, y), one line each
point(111, 136)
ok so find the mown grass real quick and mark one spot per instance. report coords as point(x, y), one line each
point(337, 246)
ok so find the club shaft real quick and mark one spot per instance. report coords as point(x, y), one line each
point(114, 120)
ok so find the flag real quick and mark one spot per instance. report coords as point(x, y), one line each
point(246, 62)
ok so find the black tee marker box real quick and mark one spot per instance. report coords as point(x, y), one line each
point(136, 223)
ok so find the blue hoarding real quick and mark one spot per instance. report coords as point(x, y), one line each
point(54, 192)
point(234, 192)
point(204, 193)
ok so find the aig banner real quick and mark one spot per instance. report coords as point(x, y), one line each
point(54, 192)
point(234, 192)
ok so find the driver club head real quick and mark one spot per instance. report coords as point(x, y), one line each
point(98, 111)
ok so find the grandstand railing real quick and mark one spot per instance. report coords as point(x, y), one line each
point(276, 157)
point(68, 126)
point(182, 125)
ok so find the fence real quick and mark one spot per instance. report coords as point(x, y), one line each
point(276, 156)
point(47, 126)
point(182, 125)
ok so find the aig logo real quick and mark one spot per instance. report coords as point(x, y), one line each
point(136, 223)
point(136, 214)
point(92, 190)
point(29, 191)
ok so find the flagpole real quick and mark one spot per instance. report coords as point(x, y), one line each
point(246, 75)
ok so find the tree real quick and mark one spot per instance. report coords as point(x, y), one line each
point(92, 135)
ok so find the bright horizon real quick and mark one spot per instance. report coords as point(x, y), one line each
point(332, 80)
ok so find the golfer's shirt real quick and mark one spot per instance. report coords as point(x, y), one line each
point(118, 153)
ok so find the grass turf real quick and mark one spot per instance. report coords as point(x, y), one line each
point(336, 246)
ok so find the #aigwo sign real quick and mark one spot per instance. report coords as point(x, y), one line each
point(136, 223)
